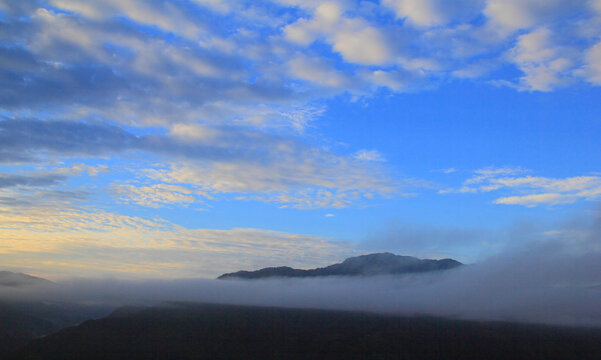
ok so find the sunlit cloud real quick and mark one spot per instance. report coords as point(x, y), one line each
point(530, 190)
point(58, 242)
point(112, 107)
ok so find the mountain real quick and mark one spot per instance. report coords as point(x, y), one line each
point(23, 321)
point(12, 279)
point(209, 331)
point(364, 265)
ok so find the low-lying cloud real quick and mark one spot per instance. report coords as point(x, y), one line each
point(553, 281)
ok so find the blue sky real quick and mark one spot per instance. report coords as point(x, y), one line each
point(190, 138)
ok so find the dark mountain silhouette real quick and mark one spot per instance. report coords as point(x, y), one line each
point(206, 331)
point(364, 265)
point(12, 279)
point(23, 321)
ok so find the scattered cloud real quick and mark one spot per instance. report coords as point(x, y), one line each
point(315, 180)
point(352, 37)
point(515, 14)
point(158, 195)
point(369, 155)
point(113, 59)
point(318, 71)
point(210, 160)
point(435, 12)
point(530, 190)
point(56, 242)
point(545, 65)
point(163, 15)
point(223, 99)
point(593, 64)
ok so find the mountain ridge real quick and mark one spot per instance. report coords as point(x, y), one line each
point(12, 279)
point(221, 331)
point(362, 265)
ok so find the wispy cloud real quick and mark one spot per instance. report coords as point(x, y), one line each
point(210, 160)
point(31, 180)
point(112, 59)
point(211, 80)
point(530, 190)
point(369, 155)
point(315, 180)
point(221, 100)
point(55, 242)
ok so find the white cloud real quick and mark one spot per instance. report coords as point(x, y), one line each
point(305, 31)
point(161, 14)
point(212, 75)
point(159, 195)
point(195, 132)
point(537, 199)
point(544, 64)
point(218, 90)
point(353, 38)
point(592, 69)
point(362, 44)
point(492, 172)
point(434, 12)
point(521, 14)
point(393, 80)
point(304, 181)
point(208, 160)
point(369, 155)
point(531, 190)
point(102, 243)
point(318, 71)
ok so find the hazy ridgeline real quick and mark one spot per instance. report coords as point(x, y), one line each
point(542, 283)
point(546, 281)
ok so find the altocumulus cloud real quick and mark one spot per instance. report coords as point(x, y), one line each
point(107, 66)
point(249, 76)
point(56, 240)
point(209, 160)
point(222, 95)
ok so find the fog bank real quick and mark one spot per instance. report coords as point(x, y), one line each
point(527, 287)
point(555, 279)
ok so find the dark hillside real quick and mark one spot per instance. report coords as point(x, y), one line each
point(21, 322)
point(201, 331)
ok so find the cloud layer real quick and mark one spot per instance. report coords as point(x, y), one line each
point(551, 281)
point(117, 105)
point(527, 190)
point(59, 243)
point(215, 85)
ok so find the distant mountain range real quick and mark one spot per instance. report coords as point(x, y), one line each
point(364, 265)
point(12, 279)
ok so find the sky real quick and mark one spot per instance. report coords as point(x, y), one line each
point(185, 139)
